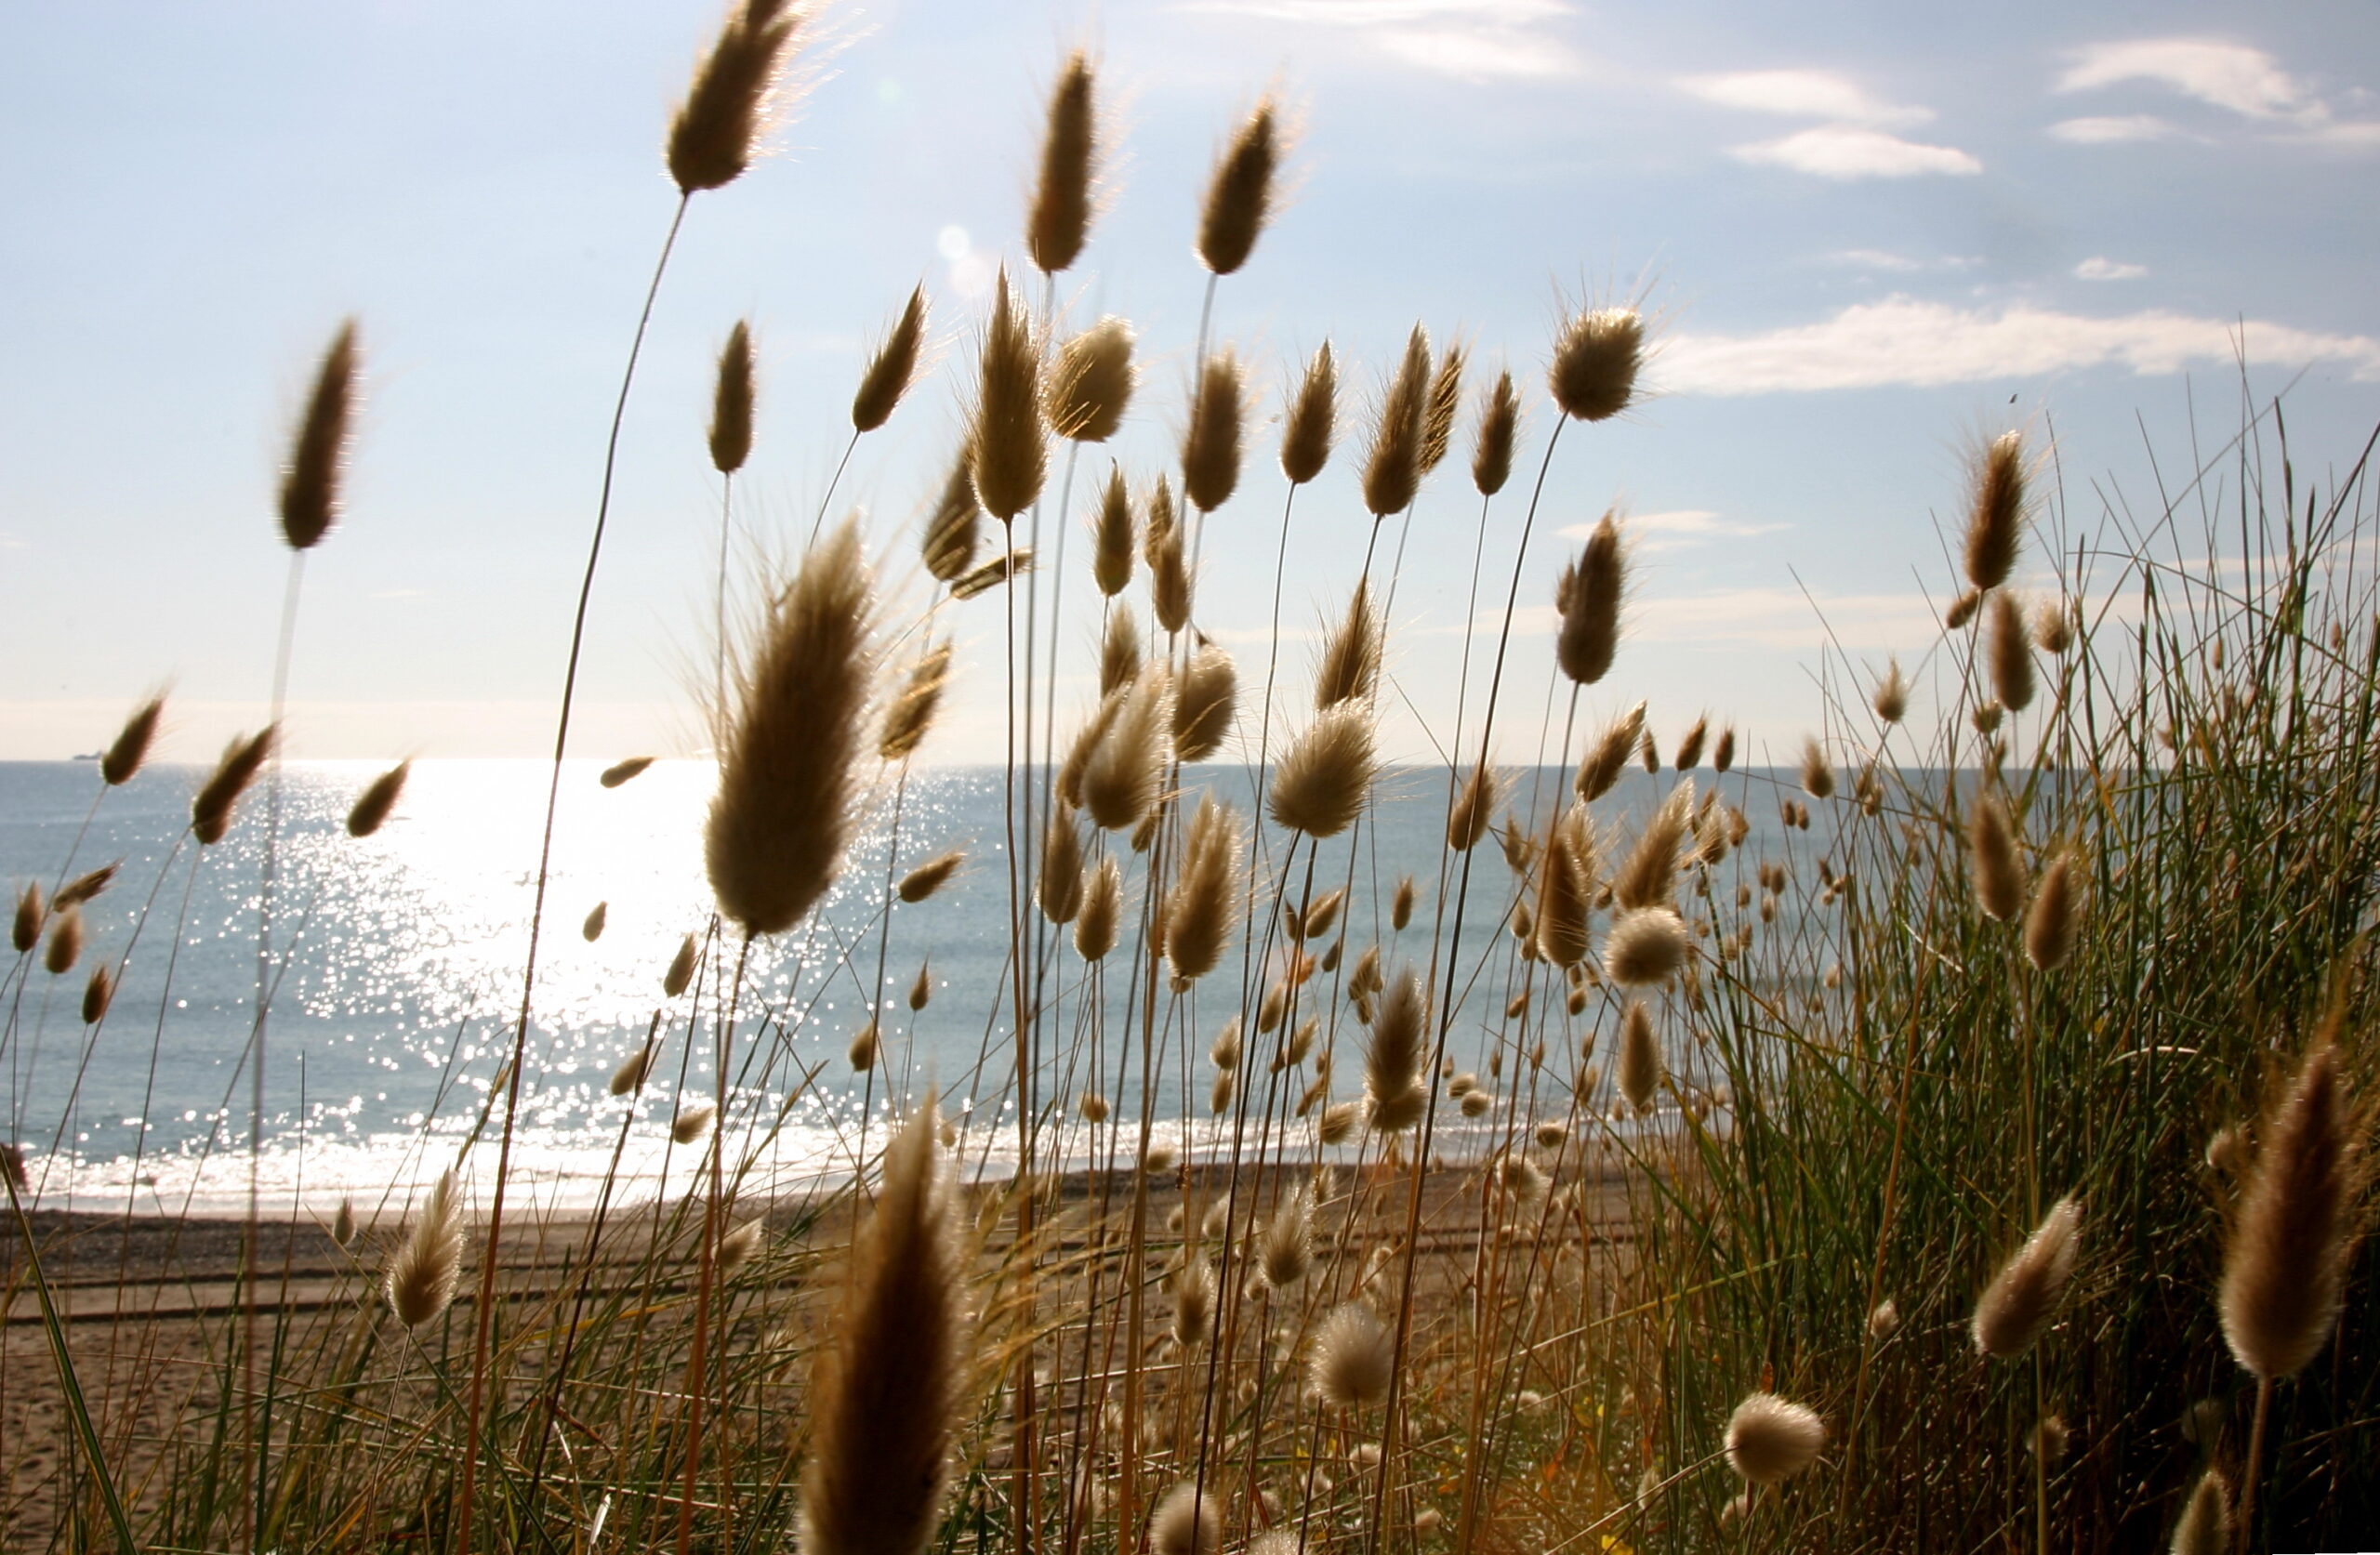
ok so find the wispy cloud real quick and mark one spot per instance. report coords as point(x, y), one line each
point(2114, 130)
point(1904, 264)
point(1802, 95)
point(1857, 152)
point(1904, 341)
point(2099, 266)
point(2232, 76)
point(1783, 618)
point(1473, 40)
point(1677, 528)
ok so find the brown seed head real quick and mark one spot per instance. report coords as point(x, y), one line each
point(1060, 885)
point(1091, 384)
point(1446, 398)
point(1996, 515)
point(718, 127)
point(2299, 1217)
point(1289, 1239)
point(212, 806)
point(310, 486)
point(1111, 536)
point(1690, 748)
point(864, 1048)
point(421, 1278)
point(131, 747)
point(619, 773)
point(1393, 467)
point(1170, 581)
point(1961, 610)
point(2054, 625)
point(885, 1390)
point(1723, 755)
point(1009, 448)
point(1595, 362)
point(730, 403)
point(2012, 653)
point(2022, 1298)
point(911, 714)
point(1499, 425)
point(1770, 1439)
point(1199, 911)
point(893, 367)
point(949, 539)
point(2050, 924)
point(1239, 192)
point(1355, 1358)
point(1210, 447)
point(1474, 806)
point(1202, 706)
point(629, 1075)
point(1102, 910)
point(691, 1121)
point(921, 991)
point(1321, 786)
point(1186, 1523)
point(1002, 569)
point(2205, 1527)
point(1312, 421)
point(1600, 766)
point(1394, 1089)
point(97, 992)
point(379, 796)
point(592, 929)
point(1999, 872)
point(84, 887)
point(1638, 1071)
point(1644, 946)
point(1565, 890)
point(1350, 667)
point(1126, 772)
point(25, 931)
point(929, 876)
point(1061, 215)
point(1590, 633)
point(774, 839)
point(1817, 772)
point(1649, 877)
point(680, 971)
point(1400, 907)
point(1891, 700)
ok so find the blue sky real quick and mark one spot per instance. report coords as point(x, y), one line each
point(1871, 233)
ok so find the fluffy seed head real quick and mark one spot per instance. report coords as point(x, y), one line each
point(1193, 1300)
point(1473, 808)
point(2053, 626)
point(885, 1389)
point(1771, 1439)
point(1961, 610)
point(2050, 923)
point(1355, 1358)
point(131, 746)
point(1125, 770)
point(2205, 1527)
point(691, 1121)
point(1393, 467)
point(1210, 447)
point(1169, 580)
point(2017, 1305)
point(1690, 748)
point(1891, 700)
point(1350, 666)
point(776, 833)
point(921, 991)
point(1199, 909)
point(1601, 767)
point(97, 992)
point(1446, 398)
point(1595, 360)
point(864, 1048)
point(1103, 909)
point(1393, 1079)
point(1883, 1319)
point(212, 806)
point(1338, 1124)
point(379, 796)
point(1646, 947)
point(343, 1224)
point(1240, 197)
point(1009, 453)
point(1638, 1073)
point(1996, 513)
point(1091, 383)
point(1288, 1241)
point(1093, 1106)
point(1186, 1523)
point(1999, 872)
point(680, 971)
point(1002, 569)
point(592, 929)
point(1723, 755)
point(893, 367)
point(1499, 425)
point(929, 876)
point(718, 127)
point(25, 929)
point(1400, 907)
point(1588, 598)
point(730, 403)
point(1648, 878)
point(2012, 653)
point(421, 1278)
point(2299, 1217)
point(630, 1076)
point(949, 540)
point(1111, 536)
point(1061, 215)
point(1566, 884)
point(736, 1246)
point(1817, 772)
point(1322, 914)
point(1202, 706)
point(1320, 785)
point(310, 485)
point(1060, 885)
point(1312, 421)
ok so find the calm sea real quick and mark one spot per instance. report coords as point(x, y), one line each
point(394, 979)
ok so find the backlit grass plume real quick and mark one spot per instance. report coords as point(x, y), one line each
point(1446, 399)
point(310, 485)
point(1499, 421)
point(1186, 1523)
point(2297, 1225)
point(731, 401)
point(777, 830)
point(885, 1389)
point(1125, 770)
point(1600, 768)
point(130, 748)
point(1010, 457)
point(1090, 385)
point(1320, 785)
point(947, 545)
point(1312, 421)
point(2016, 1308)
point(212, 807)
point(1393, 466)
point(1770, 1439)
point(1210, 447)
point(718, 128)
point(1999, 871)
point(1239, 192)
point(1350, 666)
point(1595, 362)
point(2012, 652)
point(1472, 811)
point(1395, 1090)
point(1059, 885)
point(1588, 596)
point(912, 709)
point(1355, 1358)
point(1060, 220)
point(893, 368)
point(1101, 912)
point(373, 807)
point(1199, 909)
point(2050, 923)
point(421, 1277)
point(1996, 511)
point(1203, 704)
point(929, 876)
point(1111, 537)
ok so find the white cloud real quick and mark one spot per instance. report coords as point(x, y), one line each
point(2247, 81)
point(1904, 341)
point(2099, 266)
point(1856, 151)
point(2113, 131)
point(1769, 617)
point(1802, 94)
point(1475, 40)
point(1677, 528)
point(1884, 258)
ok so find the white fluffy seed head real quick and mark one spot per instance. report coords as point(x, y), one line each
point(1770, 1439)
point(2022, 1298)
point(1355, 1358)
point(1186, 1523)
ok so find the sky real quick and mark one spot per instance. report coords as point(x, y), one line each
point(1869, 235)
